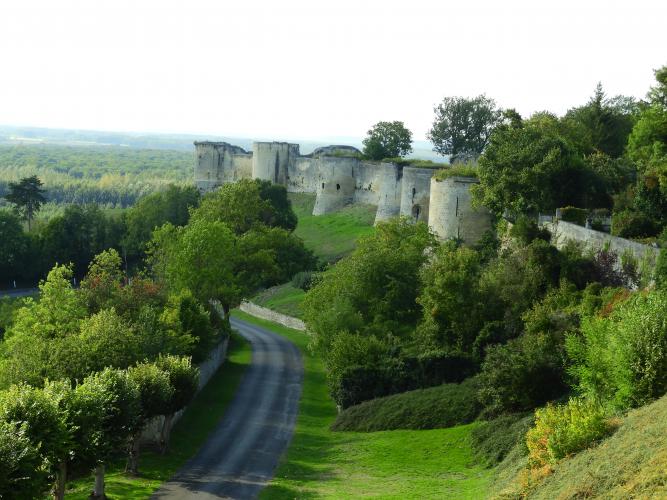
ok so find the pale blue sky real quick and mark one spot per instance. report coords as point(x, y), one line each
point(308, 68)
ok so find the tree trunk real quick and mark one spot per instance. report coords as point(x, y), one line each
point(166, 433)
point(133, 456)
point(98, 491)
point(59, 493)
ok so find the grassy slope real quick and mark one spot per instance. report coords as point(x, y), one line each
point(632, 463)
point(392, 464)
point(188, 435)
point(331, 236)
point(282, 298)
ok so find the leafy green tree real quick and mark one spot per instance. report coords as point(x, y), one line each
point(462, 127)
point(247, 203)
point(102, 285)
point(184, 378)
point(38, 414)
point(27, 196)
point(104, 411)
point(172, 205)
point(530, 168)
point(450, 299)
point(23, 472)
point(373, 291)
point(606, 122)
point(14, 246)
point(155, 394)
point(387, 140)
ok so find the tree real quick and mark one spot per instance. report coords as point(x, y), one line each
point(104, 412)
point(155, 395)
point(38, 414)
point(27, 197)
point(23, 473)
point(14, 246)
point(387, 140)
point(184, 378)
point(462, 127)
point(531, 168)
point(102, 285)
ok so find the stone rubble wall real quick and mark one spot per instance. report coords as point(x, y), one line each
point(269, 315)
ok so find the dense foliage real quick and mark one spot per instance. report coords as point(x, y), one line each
point(387, 140)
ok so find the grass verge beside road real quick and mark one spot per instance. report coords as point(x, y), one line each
point(188, 435)
point(390, 464)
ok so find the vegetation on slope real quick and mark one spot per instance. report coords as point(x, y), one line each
point(333, 235)
point(190, 432)
point(393, 464)
point(443, 406)
point(285, 299)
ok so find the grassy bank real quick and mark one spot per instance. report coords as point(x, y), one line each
point(333, 235)
point(285, 299)
point(392, 464)
point(188, 435)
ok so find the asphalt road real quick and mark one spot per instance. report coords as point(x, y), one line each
point(240, 456)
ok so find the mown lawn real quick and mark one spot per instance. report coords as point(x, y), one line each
point(285, 299)
point(391, 464)
point(333, 235)
point(188, 435)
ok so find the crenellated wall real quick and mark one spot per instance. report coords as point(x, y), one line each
point(338, 177)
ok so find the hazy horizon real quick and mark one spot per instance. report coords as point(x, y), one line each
point(311, 70)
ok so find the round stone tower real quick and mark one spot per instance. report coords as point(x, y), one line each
point(416, 192)
point(271, 161)
point(214, 164)
point(335, 184)
point(389, 176)
point(451, 214)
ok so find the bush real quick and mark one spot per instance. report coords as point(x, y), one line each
point(622, 358)
point(304, 280)
point(492, 440)
point(660, 273)
point(23, 471)
point(436, 407)
point(361, 383)
point(563, 430)
point(525, 230)
point(574, 215)
point(522, 374)
point(631, 224)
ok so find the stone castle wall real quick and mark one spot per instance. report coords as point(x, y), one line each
point(338, 181)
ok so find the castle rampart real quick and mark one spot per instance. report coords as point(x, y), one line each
point(338, 177)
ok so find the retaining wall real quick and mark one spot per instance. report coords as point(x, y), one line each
point(269, 315)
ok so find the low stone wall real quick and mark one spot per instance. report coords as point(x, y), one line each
point(268, 314)
point(562, 231)
point(151, 433)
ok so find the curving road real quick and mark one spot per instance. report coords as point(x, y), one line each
point(241, 454)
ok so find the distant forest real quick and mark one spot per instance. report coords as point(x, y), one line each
point(110, 176)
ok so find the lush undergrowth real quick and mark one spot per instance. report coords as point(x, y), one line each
point(632, 463)
point(392, 464)
point(189, 433)
point(493, 440)
point(333, 235)
point(285, 299)
point(433, 408)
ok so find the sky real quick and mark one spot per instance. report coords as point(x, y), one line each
point(312, 69)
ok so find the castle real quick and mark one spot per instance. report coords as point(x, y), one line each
point(338, 178)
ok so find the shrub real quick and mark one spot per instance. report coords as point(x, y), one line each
point(363, 382)
point(461, 170)
point(492, 440)
point(23, 471)
point(522, 374)
point(525, 230)
point(574, 215)
point(563, 430)
point(304, 280)
point(622, 358)
point(631, 224)
point(436, 407)
point(660, 273)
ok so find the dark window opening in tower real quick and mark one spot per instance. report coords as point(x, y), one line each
point(416, 210)
point(323, 185)
point(337, 187)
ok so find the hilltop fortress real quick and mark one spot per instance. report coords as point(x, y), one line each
point(339, 178)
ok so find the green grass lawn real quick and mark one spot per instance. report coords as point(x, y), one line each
point(188, 435)
point(333, 235)
point(284, 299)
point(390, 464)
